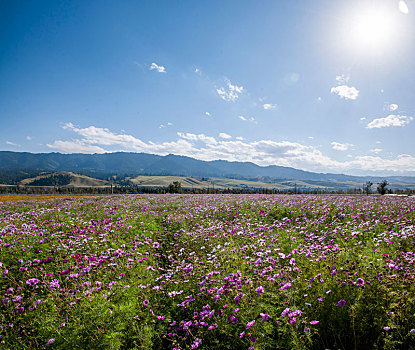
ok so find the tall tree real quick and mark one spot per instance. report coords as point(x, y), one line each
point(382, 187)
point(367, 187)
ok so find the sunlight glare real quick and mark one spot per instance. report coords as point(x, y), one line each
point(372, 29)
point(403, 7)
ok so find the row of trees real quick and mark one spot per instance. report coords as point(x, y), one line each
point(381, 188)
point(176, 187)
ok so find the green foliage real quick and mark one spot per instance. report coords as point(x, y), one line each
point(382, 187)
point(155, 272)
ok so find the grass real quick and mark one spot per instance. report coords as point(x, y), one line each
point(208, 272)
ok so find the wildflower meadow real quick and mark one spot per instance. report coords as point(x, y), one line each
point(208, 272)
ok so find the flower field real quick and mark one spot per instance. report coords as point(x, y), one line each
point(208, 272)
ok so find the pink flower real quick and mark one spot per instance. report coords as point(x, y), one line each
point(32, 281)
point(250, 324)
point(265, 316)
point(286, 311)
point(286, 286)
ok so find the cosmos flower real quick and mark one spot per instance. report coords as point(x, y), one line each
point(264, 316)
point(341, 302)
point(250, 324)
point(360, 282)
point(32, 281)
point(286, 286)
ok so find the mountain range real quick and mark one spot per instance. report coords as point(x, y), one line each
point(19, 165)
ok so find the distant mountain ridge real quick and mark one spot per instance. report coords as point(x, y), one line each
point(133, 164)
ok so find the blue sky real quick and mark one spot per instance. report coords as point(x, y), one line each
point(317, 85)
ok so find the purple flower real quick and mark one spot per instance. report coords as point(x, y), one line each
point(54, 283)
point(242, 334)
point(286, 286)
point(286, 311)
point(145, 302)
point(50, 341)
point(264, 317)
point(259, 290)
point(156, 245)
point(386, 328)
point(292, 320)
point(360, 281)
point(341, 302)
point(412, 331)
point(314, 322)
point(196, 343)
point(250, 324)
point(32, 281)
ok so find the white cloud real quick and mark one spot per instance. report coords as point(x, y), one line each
point(376, 150)
point(263, 152)
point(158, 68)
point(340, 146)
point(12, 144)
point(165, 125)
point(76, 146)
point(207, 114)
point(403, 7)
point(240, 138)
point(346, 92)
point(363, 118)
point(393, 107)
point(188, 136)
point(197, 137)
point(310, 137)
point(245, 119)
point(390, 120)
point(269, 106)
point(197, 70)
point(29, 138)
point(224, 135)
point(342, 79)
point(230, 92)
point(319, 99)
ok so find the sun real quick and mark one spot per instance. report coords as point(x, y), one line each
point(372, 29)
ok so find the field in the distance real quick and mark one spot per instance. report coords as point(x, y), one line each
point(208, 272)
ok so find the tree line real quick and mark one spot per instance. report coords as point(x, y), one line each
point(176, 187)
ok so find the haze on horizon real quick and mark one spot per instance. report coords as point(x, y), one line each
point(324, 86)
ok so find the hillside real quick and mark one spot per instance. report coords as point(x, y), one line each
point(135, 168)
point(64, 179)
